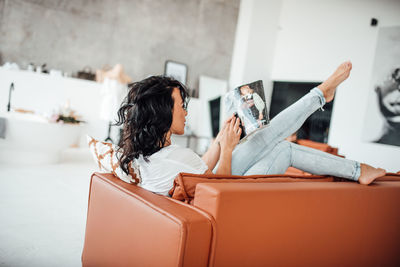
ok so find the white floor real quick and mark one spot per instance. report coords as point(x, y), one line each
point(43, 213)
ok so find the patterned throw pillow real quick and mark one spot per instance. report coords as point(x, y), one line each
point(105, 155)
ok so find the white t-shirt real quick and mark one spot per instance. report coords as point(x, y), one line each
point(159, 173)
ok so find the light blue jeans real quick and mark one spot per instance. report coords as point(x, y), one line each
point(267, 152)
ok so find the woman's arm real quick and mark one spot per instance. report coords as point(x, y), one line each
point(212, 155)
point(225, 162)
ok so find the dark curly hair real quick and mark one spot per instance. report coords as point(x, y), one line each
point(146, 116)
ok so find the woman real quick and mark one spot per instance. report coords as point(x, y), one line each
point(155, 108)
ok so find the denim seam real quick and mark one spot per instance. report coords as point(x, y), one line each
point(291, 154)
point(357, 171)
point(321, 97)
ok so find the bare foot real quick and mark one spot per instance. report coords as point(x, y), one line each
point(369, 174)
point(328, 87)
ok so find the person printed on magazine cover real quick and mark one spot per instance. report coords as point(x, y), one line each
point(245, 113)
point(156, 107)
point(254, 103)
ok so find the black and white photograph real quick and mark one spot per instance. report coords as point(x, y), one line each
point(382, 119)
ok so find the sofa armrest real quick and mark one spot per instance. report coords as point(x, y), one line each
point(130, 226)
point(304, 224)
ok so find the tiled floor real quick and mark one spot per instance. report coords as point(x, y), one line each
point(43, 213)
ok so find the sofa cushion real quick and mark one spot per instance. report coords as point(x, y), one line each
point(185, 183)
point(105, 155)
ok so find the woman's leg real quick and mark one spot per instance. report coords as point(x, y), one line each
point(283, 125)
point(287, 122)
point(266, 144)
point(287, 154)
point(275, 161)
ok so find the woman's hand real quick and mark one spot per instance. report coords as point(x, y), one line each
point(231, 134)
point(229, 138)
point(213, 153)
point(221, 132)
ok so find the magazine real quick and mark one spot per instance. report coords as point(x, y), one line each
point(248, 103)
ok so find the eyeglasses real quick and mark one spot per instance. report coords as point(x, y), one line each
point(185, 106)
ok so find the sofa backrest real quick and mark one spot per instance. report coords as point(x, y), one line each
point(130, 226)
point(304, 224)
point(185, 183)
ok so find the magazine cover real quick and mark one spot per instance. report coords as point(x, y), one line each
point(248, 102)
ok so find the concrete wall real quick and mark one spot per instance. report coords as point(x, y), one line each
point(140, 34)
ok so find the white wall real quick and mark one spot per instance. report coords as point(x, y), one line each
point(240, 45)
point(315, 36)
point(255, 42)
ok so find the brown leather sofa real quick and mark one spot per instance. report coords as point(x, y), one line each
point(329, 223)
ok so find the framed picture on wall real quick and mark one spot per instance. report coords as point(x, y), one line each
point(176, 70)
point(382, 115)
